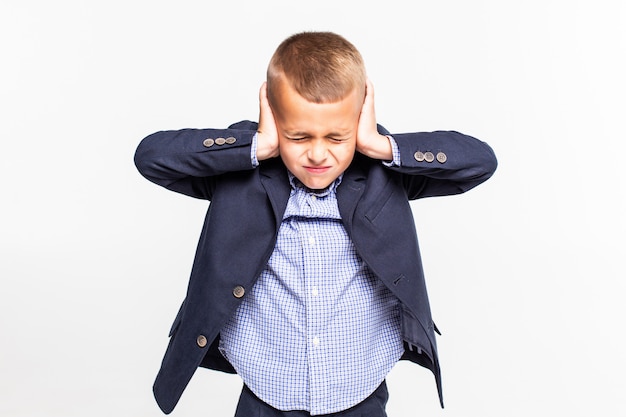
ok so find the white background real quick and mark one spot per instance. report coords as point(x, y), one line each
point(526, 272)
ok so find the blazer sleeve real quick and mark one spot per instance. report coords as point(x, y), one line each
point(442, 162)
point(188, 161)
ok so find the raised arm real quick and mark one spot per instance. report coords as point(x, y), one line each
point(442, 162)
point(186, 160)
point(433, 163)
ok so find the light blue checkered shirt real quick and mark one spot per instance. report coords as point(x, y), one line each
point(318, 331)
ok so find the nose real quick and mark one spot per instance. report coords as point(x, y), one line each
point(317, 151)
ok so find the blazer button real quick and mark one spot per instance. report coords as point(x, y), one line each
point(419, 156)
point(220, 141)
point(238, 291)
point(208, 143)
point(201, 341)
point(230, 140)
point(429, 157)
point(441, 157)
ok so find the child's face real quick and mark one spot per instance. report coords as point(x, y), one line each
point(316, 141)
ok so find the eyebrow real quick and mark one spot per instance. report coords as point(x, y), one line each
point(296, 133)
point(303, 133)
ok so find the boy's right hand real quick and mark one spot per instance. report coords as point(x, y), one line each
point(267, 134)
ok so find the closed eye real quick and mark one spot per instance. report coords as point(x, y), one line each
point(338, 139)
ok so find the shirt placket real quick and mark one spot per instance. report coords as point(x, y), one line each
point(313, 273)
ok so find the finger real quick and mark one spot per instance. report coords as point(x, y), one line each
point(368, 103)
point(263, 92)
point(369, 89)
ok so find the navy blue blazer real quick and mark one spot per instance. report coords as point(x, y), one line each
point(246, 210)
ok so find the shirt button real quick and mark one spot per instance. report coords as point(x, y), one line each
point(314, 291)
point(316, 341)
point(311, 241)
point(313, 197)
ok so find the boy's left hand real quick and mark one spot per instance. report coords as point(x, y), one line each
point(368, 141)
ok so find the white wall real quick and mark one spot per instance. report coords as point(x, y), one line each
point(526, 273)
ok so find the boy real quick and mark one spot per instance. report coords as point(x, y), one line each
point(307, 280)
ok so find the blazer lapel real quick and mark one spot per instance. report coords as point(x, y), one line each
point(349, 193)
point(274, 178)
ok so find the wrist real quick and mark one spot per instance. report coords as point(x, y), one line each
point(265, 148)
point(379, 147)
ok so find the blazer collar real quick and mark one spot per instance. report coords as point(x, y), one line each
point(274, 178)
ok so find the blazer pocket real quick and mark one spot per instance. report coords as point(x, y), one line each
point(377, 206)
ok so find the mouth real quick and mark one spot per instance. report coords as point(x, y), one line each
point(317, 170)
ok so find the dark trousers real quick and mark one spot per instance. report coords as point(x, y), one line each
point(373, 406)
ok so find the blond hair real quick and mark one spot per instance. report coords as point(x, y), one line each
point(322, 67)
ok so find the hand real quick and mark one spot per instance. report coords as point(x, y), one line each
point(368, 141)
point(267, 134)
